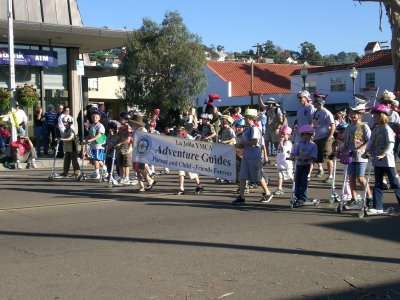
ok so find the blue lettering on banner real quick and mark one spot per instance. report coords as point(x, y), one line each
point(30, 57)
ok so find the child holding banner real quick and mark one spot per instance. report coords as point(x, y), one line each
point(138, 125)
point(182, 133)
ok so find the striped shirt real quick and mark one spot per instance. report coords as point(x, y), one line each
point(50, 117)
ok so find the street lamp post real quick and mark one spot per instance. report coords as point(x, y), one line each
point(304, 74)
point(353, 75)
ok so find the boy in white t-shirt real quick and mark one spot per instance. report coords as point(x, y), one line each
point(284, 166)
point(96, 139)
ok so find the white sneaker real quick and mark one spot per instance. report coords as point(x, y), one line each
point(375, 211)
point(33, 166)
point(95, 176)
point(125, 181)
point(279, 192)
point(18, 165)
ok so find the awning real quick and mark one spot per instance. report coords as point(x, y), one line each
point(87, 39)
point(99, 71)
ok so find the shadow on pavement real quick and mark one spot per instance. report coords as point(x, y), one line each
point(304, 252)
point(380, 227)
point(389, 290)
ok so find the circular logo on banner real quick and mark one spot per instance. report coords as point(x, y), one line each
point(144, 145)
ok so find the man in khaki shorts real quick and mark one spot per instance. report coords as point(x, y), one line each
point(324, 125)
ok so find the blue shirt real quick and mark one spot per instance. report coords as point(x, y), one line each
point(252, 133)
point(306, 152)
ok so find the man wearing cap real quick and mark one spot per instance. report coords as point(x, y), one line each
point(324, 125)
point(304, 113)
point(22, 150)
point(274, 121)
point(251, 165)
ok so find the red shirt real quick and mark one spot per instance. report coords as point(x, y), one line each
point(4, 133)
point(22, 147)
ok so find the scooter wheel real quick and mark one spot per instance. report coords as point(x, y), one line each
point(361, 214)
point(331, 199)
point(51, 178)
point(339, 209)
point(390, 211)
point(110, 185)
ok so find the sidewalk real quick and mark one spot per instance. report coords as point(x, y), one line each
point(42, 162)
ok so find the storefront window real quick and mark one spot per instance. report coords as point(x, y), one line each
point(55, 79)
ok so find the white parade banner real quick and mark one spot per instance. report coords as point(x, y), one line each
point(204, 158)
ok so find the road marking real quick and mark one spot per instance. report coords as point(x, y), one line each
point(54, 205)
point(75, 203)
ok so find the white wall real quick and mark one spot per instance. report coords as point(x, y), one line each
point(384, 79)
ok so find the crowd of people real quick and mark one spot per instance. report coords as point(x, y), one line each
point(354, 137)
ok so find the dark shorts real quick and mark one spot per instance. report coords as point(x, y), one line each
point(125, 159)
point(324, 148)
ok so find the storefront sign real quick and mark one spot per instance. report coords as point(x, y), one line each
point(209, 159)
point(30, 57)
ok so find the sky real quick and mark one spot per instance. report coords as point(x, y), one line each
point(331, 25)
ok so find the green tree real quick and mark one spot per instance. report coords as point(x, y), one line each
point(392, 8)
point(269, 50)
point(163, 66)
point(309, 53)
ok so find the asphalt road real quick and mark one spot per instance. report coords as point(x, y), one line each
point(82, 240)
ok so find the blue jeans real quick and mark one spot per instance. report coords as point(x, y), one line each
point(41, 137)
point(301, 183)
point(394, 183)
point(396, 147)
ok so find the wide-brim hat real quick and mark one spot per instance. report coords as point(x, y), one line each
point(137, 119)
point(228, 118)
point(361, 108)
point(388, 96)
point(271, 101)
point(251, 112)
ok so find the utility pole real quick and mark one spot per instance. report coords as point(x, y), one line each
point(12, 64)
point(252, 84)
point(258, 55)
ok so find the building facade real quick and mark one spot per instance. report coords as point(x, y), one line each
point(53, 28)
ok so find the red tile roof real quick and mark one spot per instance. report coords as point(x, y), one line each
point(268, 78)
point(377, 59)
